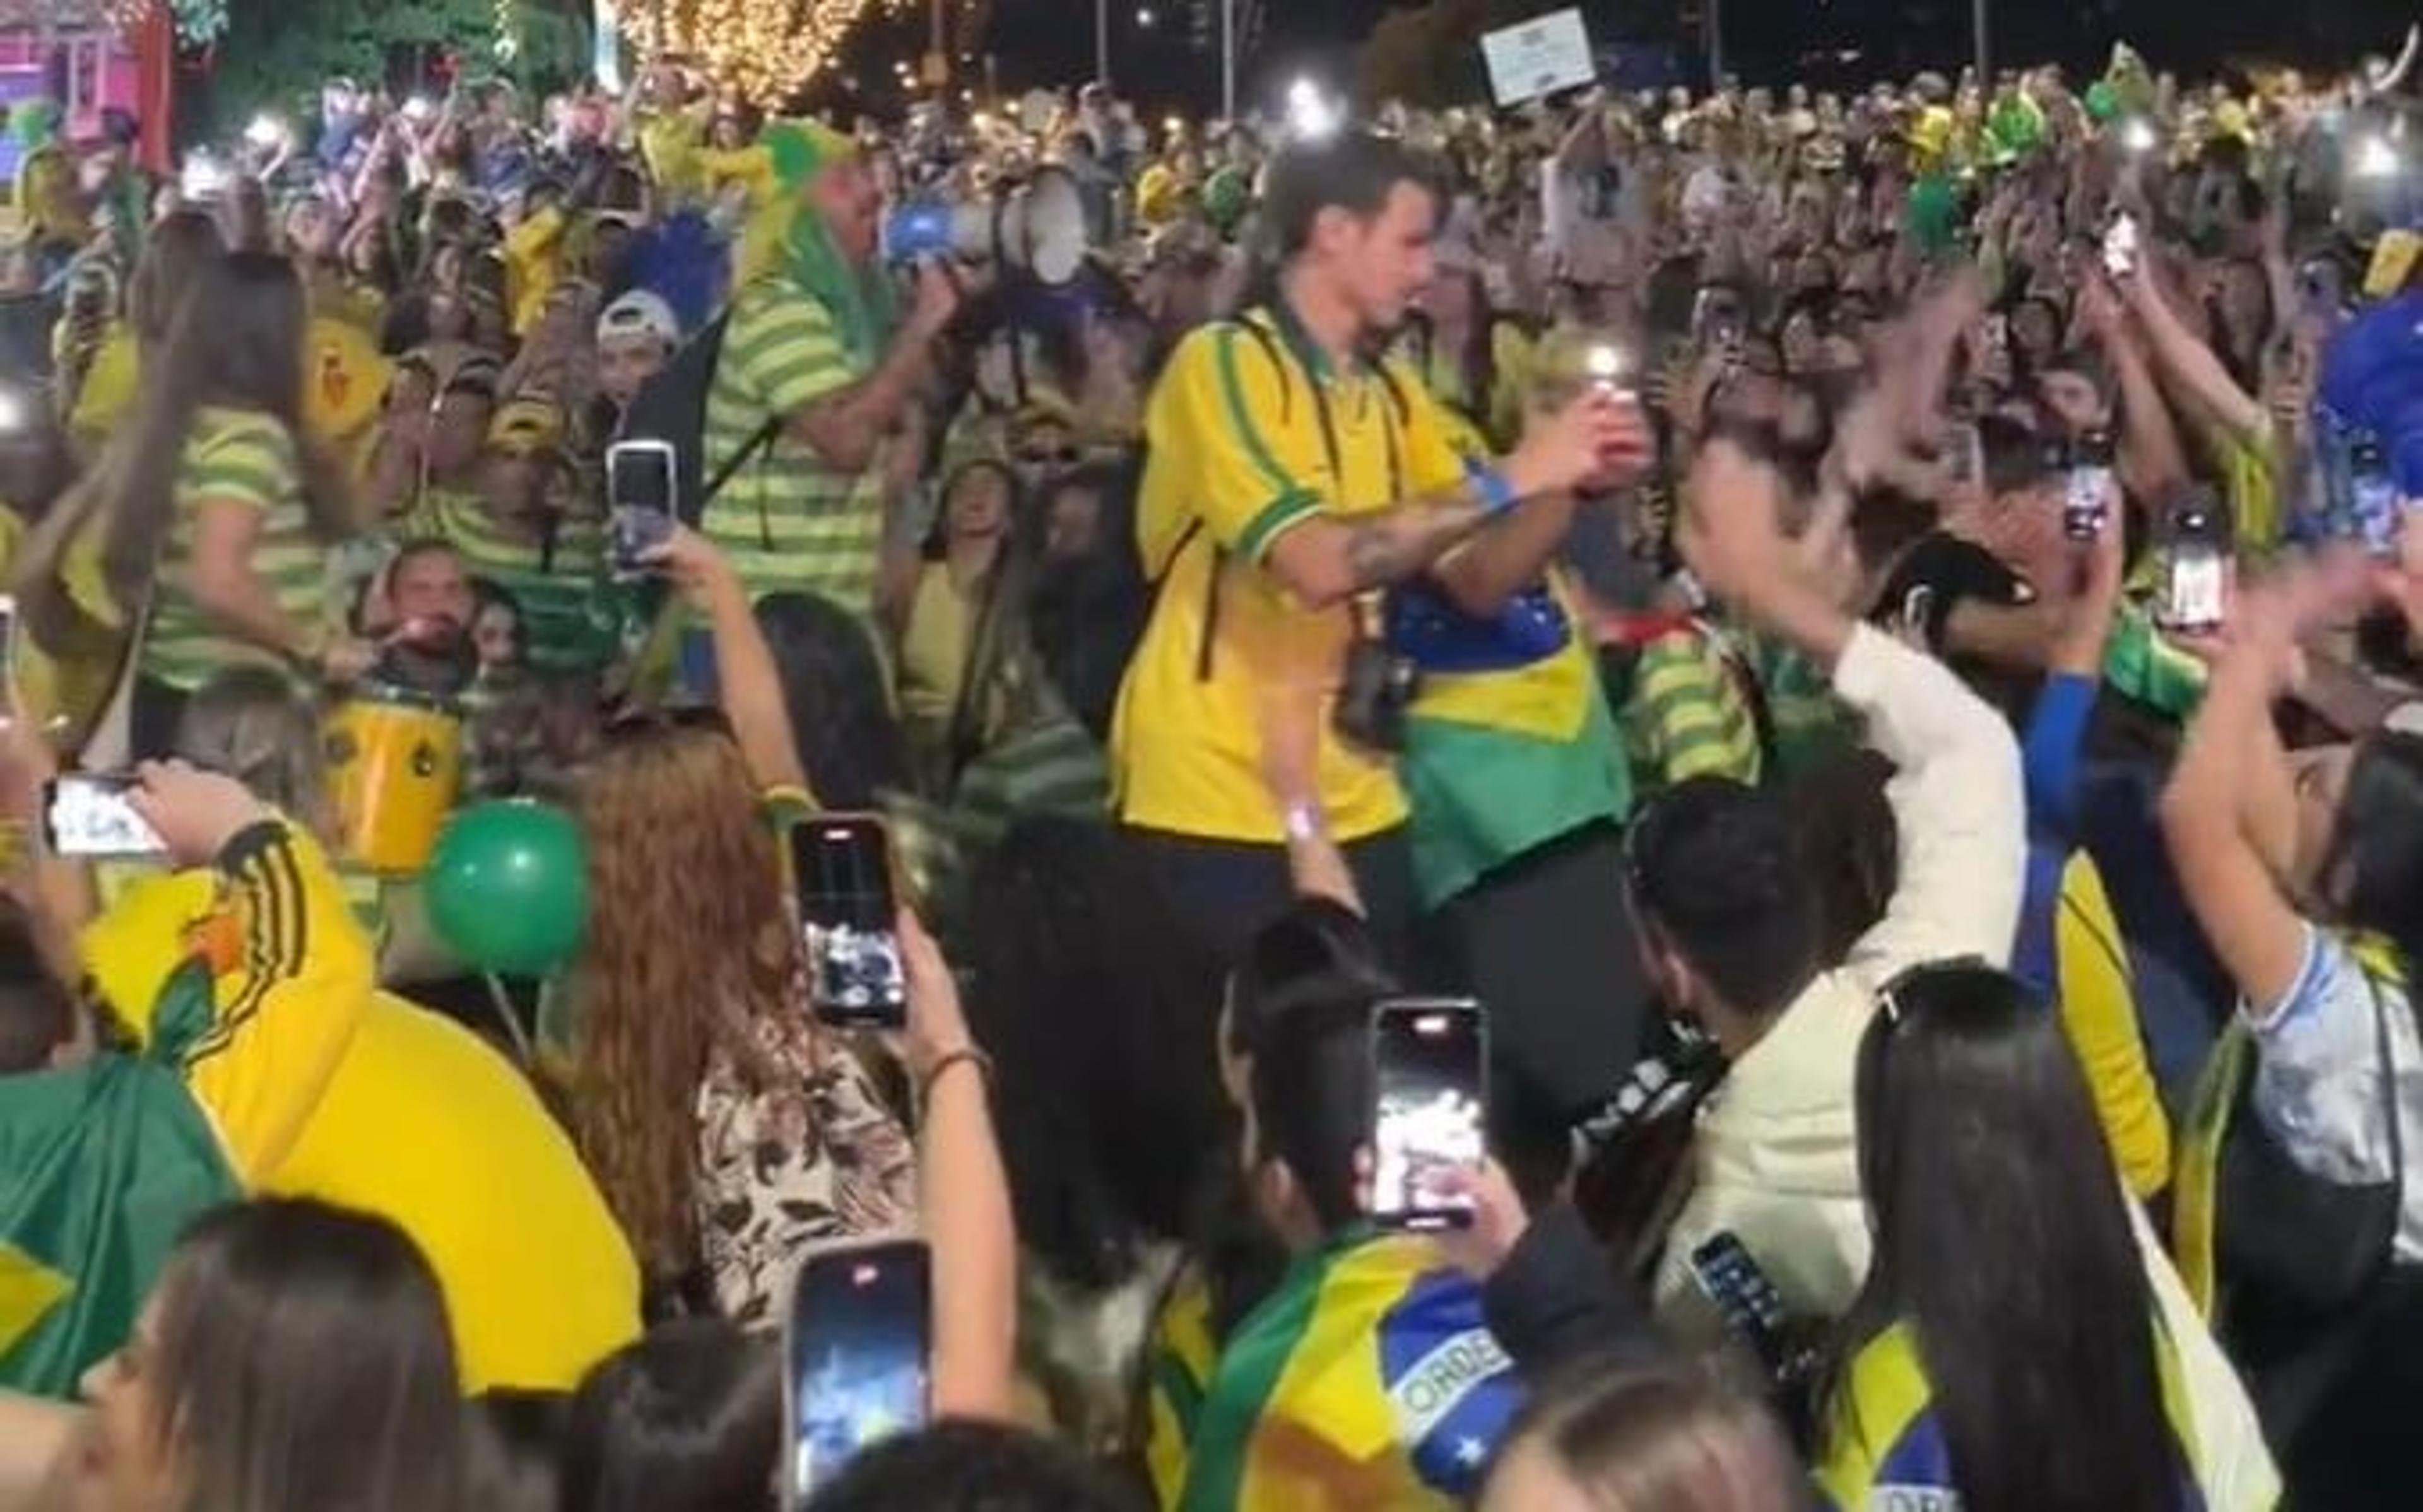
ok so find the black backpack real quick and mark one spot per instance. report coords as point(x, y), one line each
point(671, 407)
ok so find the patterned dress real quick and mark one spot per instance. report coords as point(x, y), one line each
point(816, 1156)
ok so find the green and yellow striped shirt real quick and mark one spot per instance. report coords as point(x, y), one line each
point(567, 615)
point(245, 458)
point(1689, 713)
point(788, 522)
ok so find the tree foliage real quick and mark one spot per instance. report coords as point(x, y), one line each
point(277, 53)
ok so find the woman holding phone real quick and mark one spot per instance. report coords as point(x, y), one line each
point(730, 1125)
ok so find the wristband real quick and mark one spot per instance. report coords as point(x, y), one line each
point(1497, 494)
point(964, 1055)
point(1304, 823)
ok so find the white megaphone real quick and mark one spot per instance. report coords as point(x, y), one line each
point(1037, 229)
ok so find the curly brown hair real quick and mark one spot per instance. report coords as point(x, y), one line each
point(691, 945)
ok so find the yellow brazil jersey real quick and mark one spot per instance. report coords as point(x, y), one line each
point(417, 1120)
point(1238, 455)
point(534, 263)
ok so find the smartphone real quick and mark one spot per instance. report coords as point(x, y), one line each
point(1429, 1075)
point(1717, 322)
point(2321, 289)
point(1964, 452)
point(2087, 488)
point(640, 502)
point(89, 814)
point(1743, 1297)
point(1917, 622)
point(2373, 504)
point(855, 1345)
point(2195, 589)
point(2120, 246)
point(848, 919)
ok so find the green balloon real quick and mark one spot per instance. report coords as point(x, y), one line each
point(507, 888)
point(2103, 100)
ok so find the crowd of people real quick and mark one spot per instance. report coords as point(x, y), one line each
point(1872, 637)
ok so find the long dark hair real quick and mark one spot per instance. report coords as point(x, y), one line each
point(841, 705)
point(689, 1417)
point(303, 1364)
point(1099, 1009)
point(2373, 873)
point(236, 341)
point(174, 251)
point(2002, 1243)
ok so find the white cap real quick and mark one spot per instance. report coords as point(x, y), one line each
point(639, 316)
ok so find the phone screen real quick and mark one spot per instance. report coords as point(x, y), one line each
point(1741, 1293)
point(2120, 247)
point(639, 500)
point(1428, 1061)
point(855, 1350)
point(849, 918)
point(87, 814)
point(2195, 593)
point(2084, 506)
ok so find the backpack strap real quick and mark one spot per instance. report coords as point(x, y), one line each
point(758, 441)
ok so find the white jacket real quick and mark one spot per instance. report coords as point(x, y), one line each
point(1776, 1151)
point(1776, 1160)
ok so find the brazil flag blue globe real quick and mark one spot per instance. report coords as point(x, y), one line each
point(507, 888)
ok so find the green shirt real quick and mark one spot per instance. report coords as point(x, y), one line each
point(789, 522)
point(245, 459)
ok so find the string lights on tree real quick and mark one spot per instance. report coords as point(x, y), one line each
point(765, 50)
point(198, 23)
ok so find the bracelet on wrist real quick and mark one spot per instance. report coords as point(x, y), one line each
point(1304, 823)
point(949, 1060)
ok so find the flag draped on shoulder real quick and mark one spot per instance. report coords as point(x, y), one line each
point(1367, 1379)
point(106, 1164)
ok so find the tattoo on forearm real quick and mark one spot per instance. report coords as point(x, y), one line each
point(1392, 547)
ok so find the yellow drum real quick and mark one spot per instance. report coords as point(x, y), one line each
point(395, 764)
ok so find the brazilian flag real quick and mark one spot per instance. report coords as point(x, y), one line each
point(1367, 1380)
point(102, 1166)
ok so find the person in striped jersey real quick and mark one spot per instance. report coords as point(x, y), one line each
point(533, 529)
point(812, 378)
point(201, 535)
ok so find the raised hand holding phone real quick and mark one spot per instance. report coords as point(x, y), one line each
point(195, 812)
point(841, 866)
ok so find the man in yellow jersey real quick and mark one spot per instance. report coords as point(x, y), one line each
point(1289, 479)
